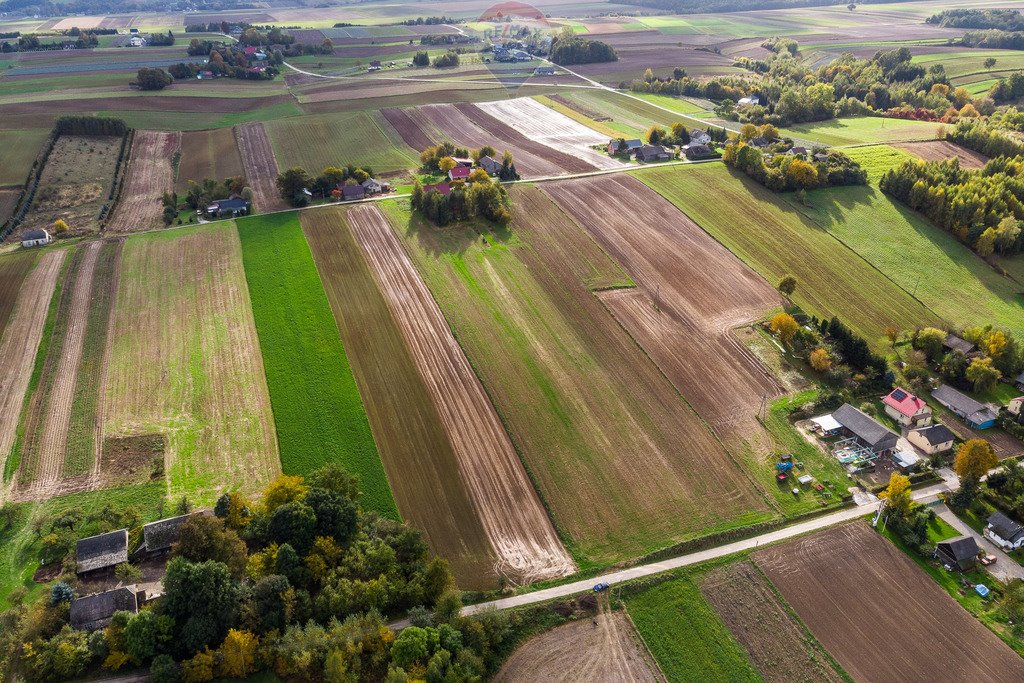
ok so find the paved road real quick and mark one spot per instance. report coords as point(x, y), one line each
point(1005, 568)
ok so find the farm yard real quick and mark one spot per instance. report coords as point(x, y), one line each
point(147, 176)
point(844, 582)
point(207, 154)
point(184, 362)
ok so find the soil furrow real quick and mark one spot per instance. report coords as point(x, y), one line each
point(148, 176)
point(260, 166)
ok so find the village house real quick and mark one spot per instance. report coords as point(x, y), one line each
point(103, 551)
point(374, 186)
point(761, 142)
point(797, 151)
point(375, 65)
point(955, 343)
point(35, 238)
point(459, 173)
point(544, 71)
point(977, 415)
point(352, 192)
point(94, 612)
point(491, 165)
point(235, 206)
point(1004, 532)
point(694, 152)
point(959, 554)
point(700, 137)
point(933, 439)
point(632, 146)
point(869, 432)
point(1015, 405)
point(821, 157)
point(907, 409)
point(748, 101)
point(654, 153)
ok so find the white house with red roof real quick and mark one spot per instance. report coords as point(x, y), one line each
point(459, 173)
point(907, 409)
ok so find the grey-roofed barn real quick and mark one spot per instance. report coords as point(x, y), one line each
point(95, 611)
point(955, 343)
point(102, 551)
point(868, 431)
point(960, 553)
point(975, 413)
point(163, 533)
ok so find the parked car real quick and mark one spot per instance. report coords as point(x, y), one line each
point(600, 587)
point(987, 560)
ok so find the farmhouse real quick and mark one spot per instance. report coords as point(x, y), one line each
point(959, 554)
point(654, 153)
point(955, 343)
point(868, 432)
point(94, 612)
point(235, 206)
point(907, 409)
point(35, 238)
point(976, 415)
point(374, 186)
point(933, 439)
point(631, 146)
point(1015, 405)
point(459, 173)
point(802, 151)
point(102, 552)
point(1004, 532)
point(544, 71)
point(463, 162)
point(821, 157)
point(694, 152)
point(700, 137)
point(490, 164)
point(352, 192)
point(749, 101)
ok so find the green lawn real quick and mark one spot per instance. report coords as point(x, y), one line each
point(861, 130)
point(317, 408)
point(676, 104)
point(766, 231)
point(686, 635)
point(877, 159)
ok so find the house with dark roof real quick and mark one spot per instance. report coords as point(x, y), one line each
point(761, 142)
point(933, 439)
point(794, 151)
point(697, 151)
point(821, 157)
point(94, 612)
point(352, 192)
point(490, 164)
point(459, 173)
point(632, 145)
point(959, 554)
point(102, 551)
point(35, 238)
point(544, 71)
point(977, 415)
point(235, 206)
point(654, 153)
point(374, 186)
point(162, 534)
point(906, 409)
point(1004, 532)
point(868, 431)
point(955, 343)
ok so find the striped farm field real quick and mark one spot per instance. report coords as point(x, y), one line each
point(208, 154)
point(317, 408)
point(358, 138)
point(184, 362)
point(765, 231)
point(14, 268)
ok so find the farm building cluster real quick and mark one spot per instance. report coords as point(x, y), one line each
point(700, 146)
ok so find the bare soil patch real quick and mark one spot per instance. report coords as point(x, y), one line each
point(208, 154)
point(860, 596)
point(413, 135)
point(21, 341)
point(691, 292)
point(510, 511)
point(132, 459)
point(778, 645)
point(940, 150)
point(260, 166)
point(605, 648)
point(148, 176)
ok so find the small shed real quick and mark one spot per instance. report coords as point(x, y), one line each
point(35, 238)
point(102, 551)
point(826, 425)
point(959, 554)
point(94, 612)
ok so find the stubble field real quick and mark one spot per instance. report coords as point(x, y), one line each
point(940, 150)
point(260, 166)
point(149, 174)
point(208, 154)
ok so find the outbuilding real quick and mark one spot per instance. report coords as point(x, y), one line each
point(160, 535)
point(353, 192)
point(102, 551)
point(955, 343)
point(654, 153)
point(959, 554)
point(868, 431)
point(826, 425)
point(544, 71)
point(632, 145)
point(235, 206)
point(374, 186)
point(932, 439)
point(94, 612)
point(907, 409)
point(35, 238)
point(1004, 532)
point(977, 415)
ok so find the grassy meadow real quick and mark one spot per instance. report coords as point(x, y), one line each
point(20, 148)
point(317, 408)
point(861, 130)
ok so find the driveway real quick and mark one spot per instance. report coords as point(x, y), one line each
point(1005, 568)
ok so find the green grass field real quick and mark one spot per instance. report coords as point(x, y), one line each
point(767, 232)
point(180, 120)
point(861, 130)
point(358, 138)
point(20, 149)
point(877, 159)
point(633, 117)
point(317, 408)
point(686, 635)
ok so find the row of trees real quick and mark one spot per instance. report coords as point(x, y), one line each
point(987, 138)
point(982, 208)
point(789, 172)
point(567, 48)
point(292, 182)
point(477, 196)
point(1005, 19)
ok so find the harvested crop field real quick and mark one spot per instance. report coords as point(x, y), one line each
point(557, 131)
point(260, 166)
point(8, 201)
point(185, 362)
point(414, 447)
point(208, 154)
point(691, 293)
point(859, 594)
point(14, 268)
point(940, 150)
point(764, 627)
point(583, 651)
point(20, 342)
point(407, 128)
point(516, 524)
point(149, 174)
point(611, 446)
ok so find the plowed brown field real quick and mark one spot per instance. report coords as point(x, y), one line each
point(208, 154)
point(413, 135)
point(148, 176)
point(863, 599)
point(260, 166)
point(691, 292)
point(940, 150)
point(778, 645)
point(421, 465)
point(21, 341)
point(512, 515)
point(584, 651)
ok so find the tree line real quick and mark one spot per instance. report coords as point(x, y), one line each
point(567, 48)
point(1005, 19)
point(986, 138)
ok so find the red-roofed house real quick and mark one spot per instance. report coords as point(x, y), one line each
point(249, 51)
point(459, 173)
point(443, 188)
point(907, 409)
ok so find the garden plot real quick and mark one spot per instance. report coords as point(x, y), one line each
point(860, 596)
point(148, 176)
point(555, 130)
point(260, 166)
point(185, 362)
point(512, 515)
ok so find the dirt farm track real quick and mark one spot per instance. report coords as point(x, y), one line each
point(868, 603)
